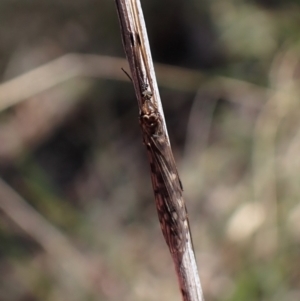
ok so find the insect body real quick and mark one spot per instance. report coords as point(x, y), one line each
point(165, 180)
point(166, 184)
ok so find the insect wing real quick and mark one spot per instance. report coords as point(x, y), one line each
point(168, 193)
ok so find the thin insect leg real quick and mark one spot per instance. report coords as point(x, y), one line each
point(138, 29)
point(146, 94)
point(144, 56)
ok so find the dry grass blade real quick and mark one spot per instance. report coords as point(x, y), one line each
point(166, 183)
point(55, 243)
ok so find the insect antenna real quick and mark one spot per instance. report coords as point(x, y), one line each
point(127, 74)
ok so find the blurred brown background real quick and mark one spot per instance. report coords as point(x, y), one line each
point(77, 217)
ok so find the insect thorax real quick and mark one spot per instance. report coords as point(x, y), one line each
point(150, 118)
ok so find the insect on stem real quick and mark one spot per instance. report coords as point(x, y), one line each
point(166, 184)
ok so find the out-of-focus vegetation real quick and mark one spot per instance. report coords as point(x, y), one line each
point(77, 217)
